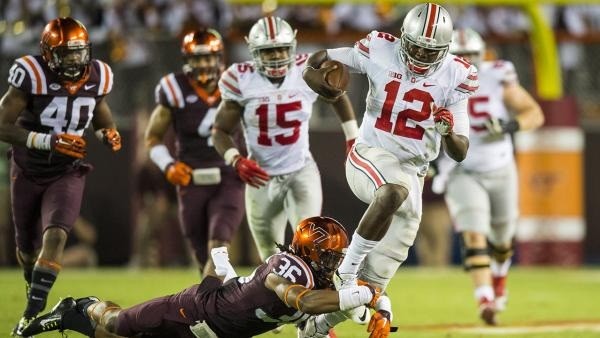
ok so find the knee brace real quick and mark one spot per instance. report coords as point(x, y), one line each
point(501, 253)
point(474, 256)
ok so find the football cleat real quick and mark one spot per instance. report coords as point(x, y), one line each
point(487, 311)
point(63, 316)
point(21, 325)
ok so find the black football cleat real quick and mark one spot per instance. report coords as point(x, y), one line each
point(21, 325)
point(64, 316)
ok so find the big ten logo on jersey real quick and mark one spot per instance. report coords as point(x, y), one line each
point(287, 270)
point(71, 115)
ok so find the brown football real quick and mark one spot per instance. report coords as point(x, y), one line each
point(339, 77)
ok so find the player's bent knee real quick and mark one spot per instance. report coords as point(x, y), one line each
point(391, 196)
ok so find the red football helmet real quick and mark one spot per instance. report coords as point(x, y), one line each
point(202, 52)
point(321, 242)
point(65, 47)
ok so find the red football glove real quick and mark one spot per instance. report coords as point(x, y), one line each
point(250, 172)
point(380, 325)
point(179, 173)
point(70, 145)
point(111, 138)
point(444, 121)
point(349, 145)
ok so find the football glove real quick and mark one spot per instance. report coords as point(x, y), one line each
point(496, 126)
point(380, 325)
point(70, 145)
point(179, 173)
point(444, 121)
point(111, 138)
point(311, 329)
point(250, 172)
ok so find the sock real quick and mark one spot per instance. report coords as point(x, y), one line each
point(484, 291)
point(500, 269)
point(357, 251)
point(42, 279)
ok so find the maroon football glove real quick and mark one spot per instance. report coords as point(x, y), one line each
point(70, 145)
point(250, 172)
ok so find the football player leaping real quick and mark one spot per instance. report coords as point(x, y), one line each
point(417, 103)
point(52, 98)
point(481, 191)
point(274, 105)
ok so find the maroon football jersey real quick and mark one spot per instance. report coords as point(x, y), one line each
point(54, 108)
point(193, 113)
point(244, 307)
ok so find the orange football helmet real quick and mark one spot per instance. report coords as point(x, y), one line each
point(65, 47)
point(202, 52)
point(321, 242)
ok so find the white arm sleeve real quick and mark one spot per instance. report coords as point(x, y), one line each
point(349, 57)
point(461, 117)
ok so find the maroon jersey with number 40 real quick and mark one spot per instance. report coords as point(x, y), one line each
point(55, 108)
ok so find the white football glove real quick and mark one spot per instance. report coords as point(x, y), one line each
point(310, 329)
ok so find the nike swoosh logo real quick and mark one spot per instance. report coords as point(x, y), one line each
point(88, 87)
point(428, 84)
point(364, 316)
point(182, 313)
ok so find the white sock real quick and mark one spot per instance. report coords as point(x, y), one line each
point(357, 251)
point(484, 291)
point(500, 269)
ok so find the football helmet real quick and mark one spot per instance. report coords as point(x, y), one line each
point(65, 46)
point(469, 44)
point(321, 242)
point(202, 52)
point(272, 32)
point(425, 37)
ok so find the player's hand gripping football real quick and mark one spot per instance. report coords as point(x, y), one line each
point(316, 79)
point(380, 325)
point(70, 145)
point(444, 120)
point(111, 138)
point(250, 172)
point(179, 173)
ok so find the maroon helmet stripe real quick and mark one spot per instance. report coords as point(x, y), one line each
point(432, 13)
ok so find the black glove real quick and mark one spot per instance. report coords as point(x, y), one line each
point(496, 126)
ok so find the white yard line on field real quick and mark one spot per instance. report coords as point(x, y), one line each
point(510, 330)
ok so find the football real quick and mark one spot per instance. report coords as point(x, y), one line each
point(339, 77)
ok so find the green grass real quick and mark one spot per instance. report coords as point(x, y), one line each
point(427, 303)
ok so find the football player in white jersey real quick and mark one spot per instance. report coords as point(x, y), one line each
point(417, 103)
point(274, 104)
point(481, 191)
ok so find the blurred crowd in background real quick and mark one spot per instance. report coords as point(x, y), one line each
point(140, 40)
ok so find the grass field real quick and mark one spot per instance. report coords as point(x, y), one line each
point(548, 303)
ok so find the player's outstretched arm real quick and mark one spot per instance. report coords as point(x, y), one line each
point(529, 114)
point(321, 301)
